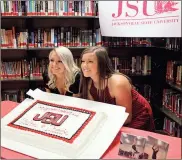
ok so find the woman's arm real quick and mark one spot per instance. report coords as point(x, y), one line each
point(121, 89)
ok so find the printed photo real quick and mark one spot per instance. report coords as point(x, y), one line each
point(155, 149)
point(131, 146)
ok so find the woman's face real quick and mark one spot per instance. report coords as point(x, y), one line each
point(55, 64)
point(89, 65)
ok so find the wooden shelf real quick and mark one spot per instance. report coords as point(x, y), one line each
point(49, 48)
point(13, 17)
point(45, 48)
point(167, 133)
point(15, 49)
point(139, 75)
point(110, 49)
point(36, 79)
point(175, 86)
point(19, 79)
point(171, 115)
point(47, 17)
point(168, 113)
point(22, 79)
point(178, 62)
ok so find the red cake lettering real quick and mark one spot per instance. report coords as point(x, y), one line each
point(51, 118)
point(41, 113)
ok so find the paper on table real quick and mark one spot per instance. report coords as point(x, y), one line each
point(37, 94)
point(116, 117)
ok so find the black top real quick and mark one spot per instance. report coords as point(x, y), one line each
point(74, 88)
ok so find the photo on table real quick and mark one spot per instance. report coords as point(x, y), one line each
point(155, 149)
point(131, 146)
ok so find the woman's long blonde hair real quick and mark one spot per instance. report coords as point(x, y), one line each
point(71, 68)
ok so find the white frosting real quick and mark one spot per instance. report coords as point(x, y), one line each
point(66, 130)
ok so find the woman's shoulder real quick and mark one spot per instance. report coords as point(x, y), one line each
point(119, 79)
point(118, 83)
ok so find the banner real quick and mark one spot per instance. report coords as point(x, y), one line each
point(140, 18)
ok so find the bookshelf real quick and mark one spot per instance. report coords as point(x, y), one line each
point(169, 114)
point(172, 115)
point(49, 17)
point(172, 96)
point(150, 84)
point(28, 17)
point(175, 86)
point(41, 48)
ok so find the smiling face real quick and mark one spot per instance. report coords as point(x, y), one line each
point(55, 64)
point(89, 65)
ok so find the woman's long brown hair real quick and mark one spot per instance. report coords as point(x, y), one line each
point(105, 70)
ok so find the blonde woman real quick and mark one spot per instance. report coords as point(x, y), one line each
point(63, 75)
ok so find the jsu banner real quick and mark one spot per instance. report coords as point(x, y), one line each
point(140, 18)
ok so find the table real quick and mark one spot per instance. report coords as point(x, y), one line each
point(174, 151)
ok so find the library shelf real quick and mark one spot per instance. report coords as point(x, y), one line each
point(15, 79)
point(168, 113)
point(166, 133)
point(174, 86)
point(48, 17)
point(9, 49)
point(49, 48)
point(178, 62)
point(139, 75)
point(22, 79)
point(136, 49)
point(13, 17)
point(41, 48)
point(171, 115)
point(36, 79)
